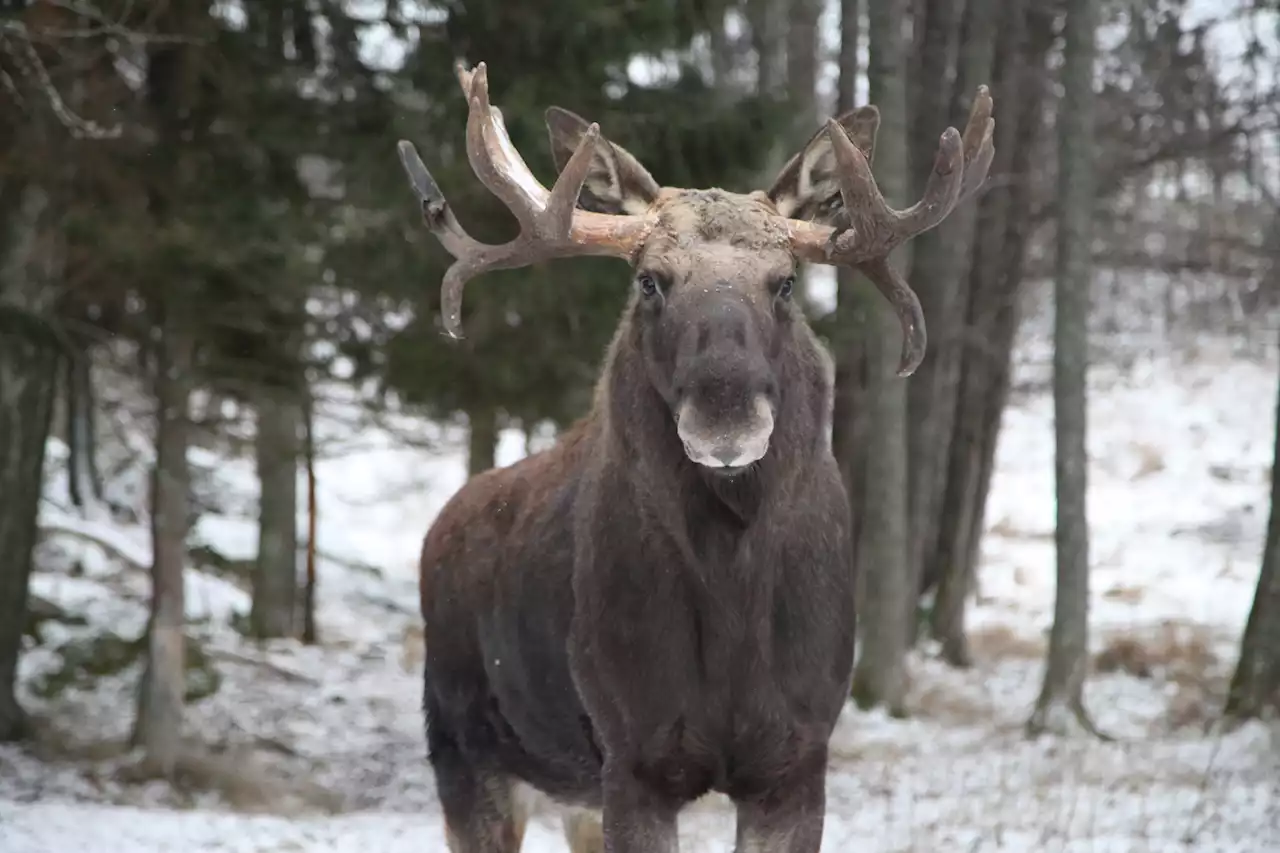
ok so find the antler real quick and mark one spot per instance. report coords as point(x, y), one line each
point(874, 229)
point(550, 227)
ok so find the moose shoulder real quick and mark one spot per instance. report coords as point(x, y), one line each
point(662, 604)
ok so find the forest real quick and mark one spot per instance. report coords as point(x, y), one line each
point(230, 409)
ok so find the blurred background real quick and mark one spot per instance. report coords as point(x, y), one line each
point(228, 412)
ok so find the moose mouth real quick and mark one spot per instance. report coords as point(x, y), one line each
point(725, 449)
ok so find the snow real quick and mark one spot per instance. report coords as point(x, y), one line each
point(321, 748)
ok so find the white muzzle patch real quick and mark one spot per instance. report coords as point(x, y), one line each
point(726, 447)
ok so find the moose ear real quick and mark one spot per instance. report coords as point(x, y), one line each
point(808, 187)
point(616, 182)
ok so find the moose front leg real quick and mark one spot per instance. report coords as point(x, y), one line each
point(787, 819)
point(637, 819)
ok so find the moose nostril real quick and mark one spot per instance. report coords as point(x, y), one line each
point(727, 455)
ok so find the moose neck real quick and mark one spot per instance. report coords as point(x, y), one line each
point(640, 432)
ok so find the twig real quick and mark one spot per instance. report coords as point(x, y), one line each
point(59, 529)
point(285, 673)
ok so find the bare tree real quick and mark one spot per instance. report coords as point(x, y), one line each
point(768, 21)
point(880, 676)
point(1068, 656)
point(30, 352)
point(850, 416)
point(936, 22)
point(275, 578)
point(1255, 686)
point(802, 83)
point(482, 432)
point(310, 630)
point(940, 262)
point(161, 704)
point(983, 349)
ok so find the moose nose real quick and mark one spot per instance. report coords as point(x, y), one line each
point(728, 455)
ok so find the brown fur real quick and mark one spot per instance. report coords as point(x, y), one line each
point(625, 629)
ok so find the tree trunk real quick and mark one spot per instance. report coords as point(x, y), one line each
point(802, 64)
point(985, 347)
point(29, 356)
point(849, 420)
point(28, 387)
point(1068, 657)
point(768, 22)
point(1255, 687)
point(275, 575)
point(880, 675)
point(160, 712)
point(482, 445)
point(84, 484)
point(939, 258)
point(802, 89)
point(310, 632)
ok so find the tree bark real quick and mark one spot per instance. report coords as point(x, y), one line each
point(28, 388)
point(1255, 686)
point(160, 712)
point(768, 22)
point(29, 358)
point(802, 64)
point(83, 481)
point(940, 257)
point(482, 444)
point(880, 674)
point(849, 420)
point(1068, 658)
point(310, 631)
point(985, 347)
point(275, 576)
point(935, 22)
point(802, 89)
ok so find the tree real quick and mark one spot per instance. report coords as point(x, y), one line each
point(940, 257)
point(278, 447)
point(30, 351)
point(984, 352)
point(162, 698)
point(1068, 655)
point(880, 674)
point(846, 328)
point(1255, 686)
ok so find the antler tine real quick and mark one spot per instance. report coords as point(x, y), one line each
point(906, 305)
point(875, 229)
point(493, 158)
point(979, 146)
point(550, 224)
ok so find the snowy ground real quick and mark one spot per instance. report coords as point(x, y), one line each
point(320, 749)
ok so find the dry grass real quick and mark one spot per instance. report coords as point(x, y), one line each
point(412, 648)
point(1125, 594)
point(1150, 460)
point(1006, 529)
point(1174, 651)
point(243, 782)
point(1180, 654)
point(1001, 643)
point(237, 776)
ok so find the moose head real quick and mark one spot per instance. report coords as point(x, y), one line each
point(713, 271)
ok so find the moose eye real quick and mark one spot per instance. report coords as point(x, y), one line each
point(647, 283)
point(784, 289)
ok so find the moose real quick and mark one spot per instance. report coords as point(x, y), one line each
point(661, 605)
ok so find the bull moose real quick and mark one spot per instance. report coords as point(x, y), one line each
point(662, 604)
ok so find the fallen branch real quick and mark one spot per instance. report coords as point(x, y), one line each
point(284, 672)
point(114, 551)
